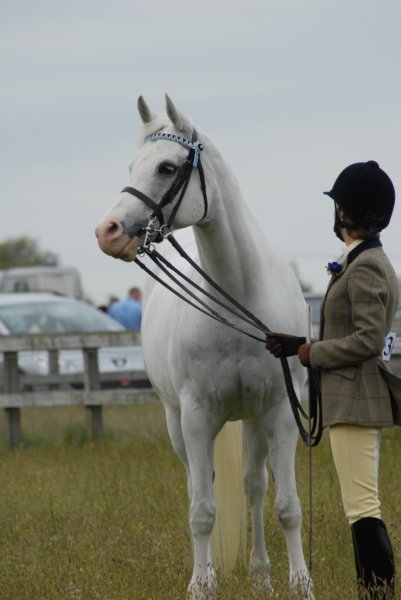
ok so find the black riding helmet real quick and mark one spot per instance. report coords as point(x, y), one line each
point(366, 195)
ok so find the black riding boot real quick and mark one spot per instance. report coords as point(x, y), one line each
point(374, 559)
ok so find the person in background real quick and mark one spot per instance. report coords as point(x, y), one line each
point(360, 395)
point(128, 311)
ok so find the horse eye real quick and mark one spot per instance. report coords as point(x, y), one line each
point(167, 168)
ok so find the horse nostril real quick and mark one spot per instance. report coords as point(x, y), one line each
point(112, 228)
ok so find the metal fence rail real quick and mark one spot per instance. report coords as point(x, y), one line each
point(55, 389)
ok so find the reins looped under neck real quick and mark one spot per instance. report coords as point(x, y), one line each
point(311, 435)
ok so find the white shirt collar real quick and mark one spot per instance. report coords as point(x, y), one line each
point(346, 250)
point(353, 245)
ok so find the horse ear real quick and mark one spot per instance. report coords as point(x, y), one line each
point(176, 117)
point(146, 114)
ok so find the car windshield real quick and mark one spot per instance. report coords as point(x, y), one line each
point(53, 317)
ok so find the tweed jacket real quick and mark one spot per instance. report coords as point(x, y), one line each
point(356, 314)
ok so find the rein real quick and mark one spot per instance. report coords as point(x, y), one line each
point(311, 436)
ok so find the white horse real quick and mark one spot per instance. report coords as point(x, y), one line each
point(205, 373)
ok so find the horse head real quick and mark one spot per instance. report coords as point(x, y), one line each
point(160, 176)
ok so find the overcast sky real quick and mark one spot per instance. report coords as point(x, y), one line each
point(291, 91)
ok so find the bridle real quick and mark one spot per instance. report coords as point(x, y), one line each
point(178, 187)
point(313, 434)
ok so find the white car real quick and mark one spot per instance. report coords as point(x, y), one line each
point(46, 313)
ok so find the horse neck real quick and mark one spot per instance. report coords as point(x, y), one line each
point(230, 244)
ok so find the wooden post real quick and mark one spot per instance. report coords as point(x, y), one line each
point(91, 383)
point(95, 419)
point(53, 366)
point(11, 385)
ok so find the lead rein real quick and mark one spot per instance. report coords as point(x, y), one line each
point(310, 437)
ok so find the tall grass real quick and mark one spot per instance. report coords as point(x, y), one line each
point(84, 521)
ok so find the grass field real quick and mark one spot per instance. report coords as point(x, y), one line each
point(84, 521)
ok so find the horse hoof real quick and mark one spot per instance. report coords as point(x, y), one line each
point(262, 583)
point(199, 591)
point(302, 586)
point(204, 590)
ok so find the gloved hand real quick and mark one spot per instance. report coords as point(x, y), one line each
point(283, 344)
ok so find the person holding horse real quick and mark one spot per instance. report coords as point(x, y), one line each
point(360, 396)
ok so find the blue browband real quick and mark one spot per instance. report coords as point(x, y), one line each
point(196, 146)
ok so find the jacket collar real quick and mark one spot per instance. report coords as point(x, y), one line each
point(355, 252)
point(366, 245)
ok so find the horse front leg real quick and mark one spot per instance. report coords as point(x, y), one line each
point(256, 482)
point(198, 435)
point(283, 437)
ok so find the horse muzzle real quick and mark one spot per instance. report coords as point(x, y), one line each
point(115, 242)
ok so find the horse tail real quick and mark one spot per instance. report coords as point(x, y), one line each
point(229, 533)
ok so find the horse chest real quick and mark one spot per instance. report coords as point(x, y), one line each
point(223, 377)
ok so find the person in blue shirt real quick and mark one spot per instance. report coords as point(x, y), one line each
point(128, 312)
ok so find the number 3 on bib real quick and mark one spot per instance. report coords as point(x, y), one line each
point(388, 345)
